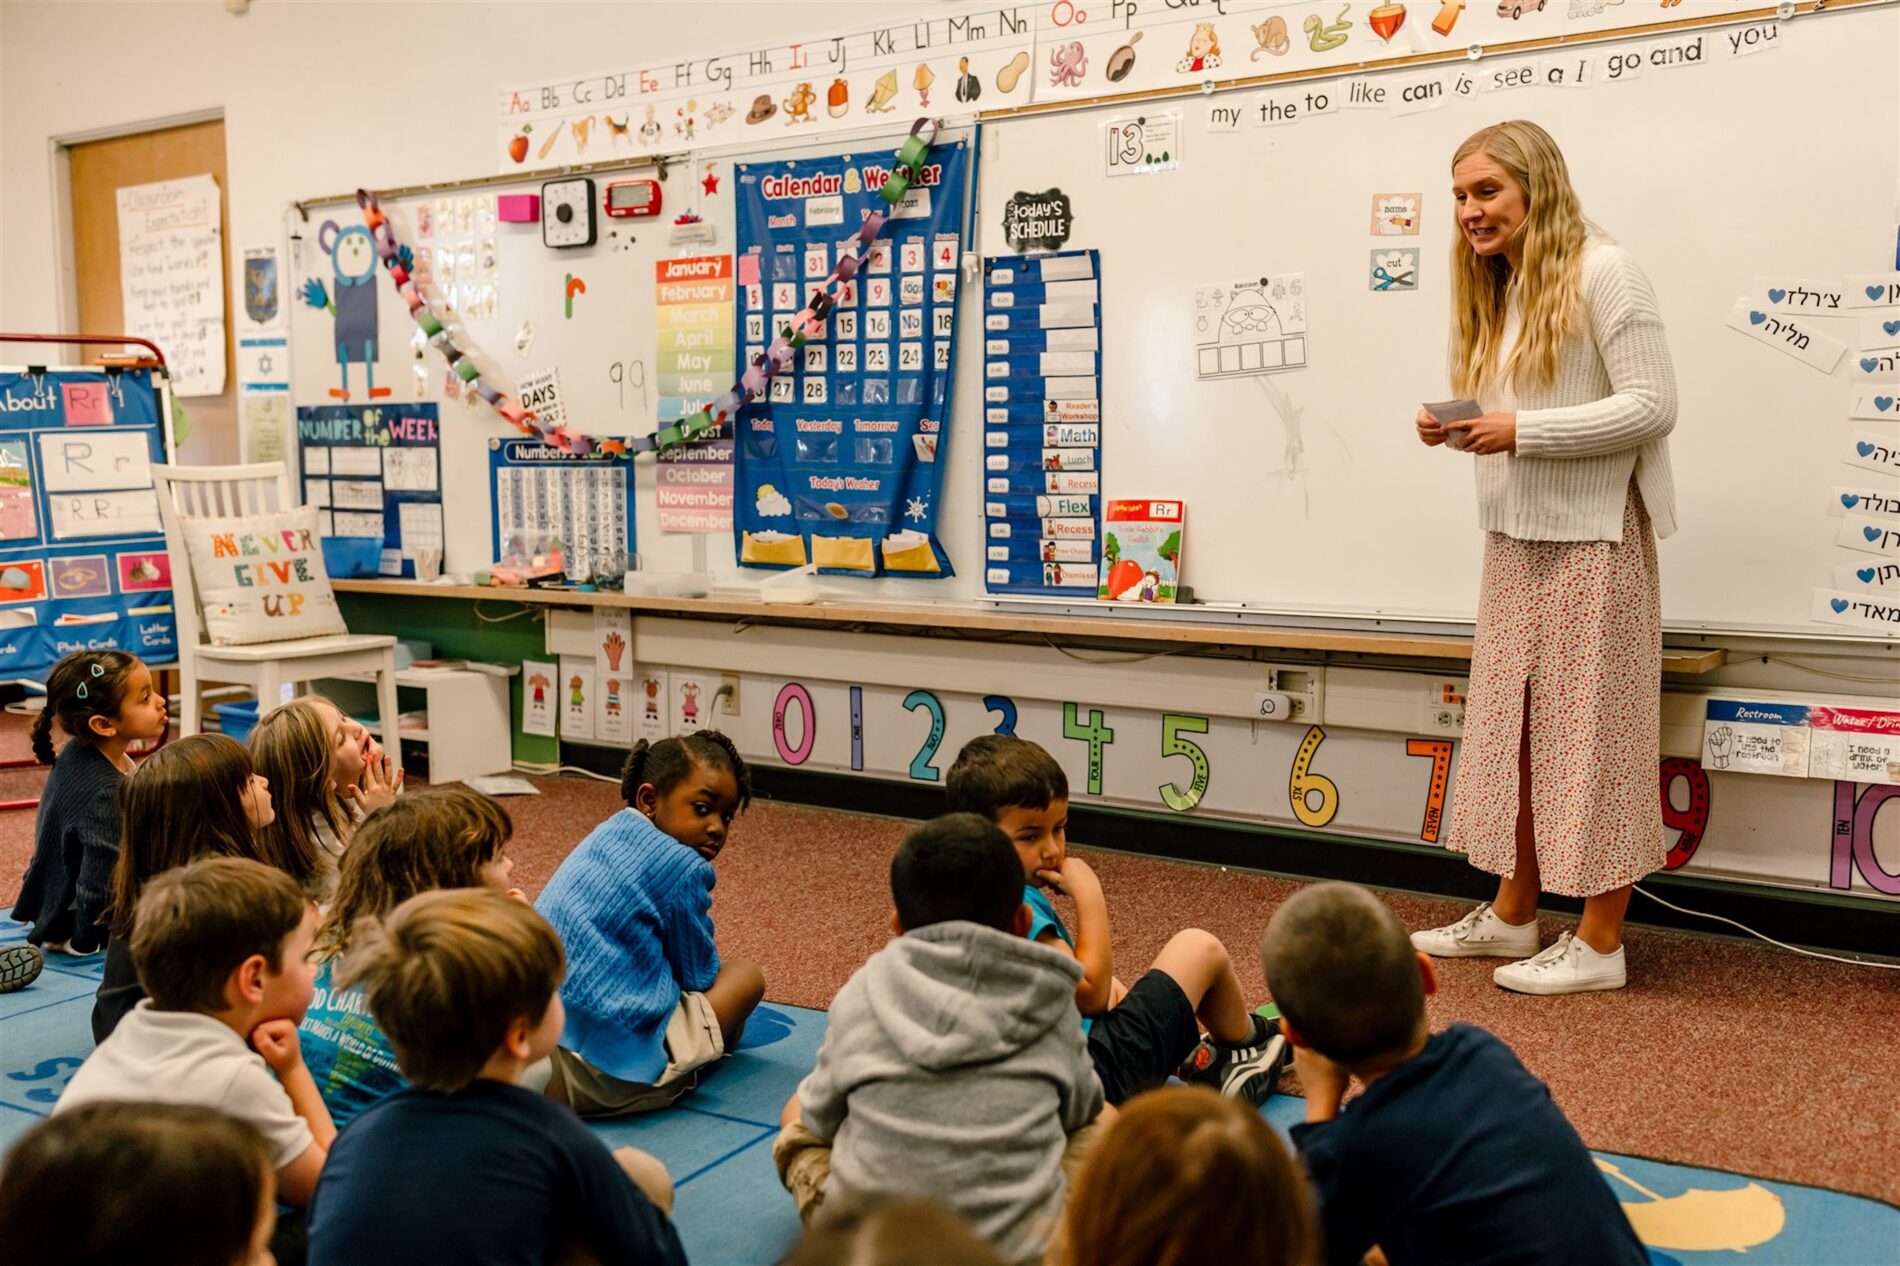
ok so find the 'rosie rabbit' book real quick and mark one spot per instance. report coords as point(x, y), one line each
point(1141, 550)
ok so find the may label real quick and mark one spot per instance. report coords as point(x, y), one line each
point(1756, 738)
point(1809, 346)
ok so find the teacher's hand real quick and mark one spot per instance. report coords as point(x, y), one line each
point(1492, 433)
point(1431, 431)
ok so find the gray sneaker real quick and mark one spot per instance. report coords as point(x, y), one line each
point(20, 966)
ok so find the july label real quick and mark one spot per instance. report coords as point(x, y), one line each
point(1811, 347)
point(1756, 738)
point(1869, 534)
point(1873, 450)
point(1873, 290)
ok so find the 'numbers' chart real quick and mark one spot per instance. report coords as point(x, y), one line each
point(545, 496)
point(841, 465)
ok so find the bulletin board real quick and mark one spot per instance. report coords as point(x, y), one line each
point(375, 470)
point(83, 564)
point(1309, 492)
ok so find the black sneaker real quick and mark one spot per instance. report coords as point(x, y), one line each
point(1250, 1072)
point(20, 966)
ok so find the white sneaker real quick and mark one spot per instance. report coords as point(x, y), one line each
point(1480, 934)
point(1569, 966)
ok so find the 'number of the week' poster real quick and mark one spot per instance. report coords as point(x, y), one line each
point(841, 465)
point(82, 555)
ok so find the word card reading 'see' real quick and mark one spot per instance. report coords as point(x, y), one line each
point(1880, 332)
point(1807, 345)
point(1873, 290)
point(1858, 576)
point(1813, 296)
point(1870, 534)
point(1860, 610)
point(1873, 450)
point(1879, 401)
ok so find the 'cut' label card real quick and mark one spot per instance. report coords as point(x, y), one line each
point(1809, 346)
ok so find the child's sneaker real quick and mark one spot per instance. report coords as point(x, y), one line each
point(20, 966)
point(1480, 934)
point(1250, 1071)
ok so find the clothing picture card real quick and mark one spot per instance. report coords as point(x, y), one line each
point(1800, 339)
point(692, 701)
point(577, 697)
point(538, 692)
point(652, 704)
point(1743, 737)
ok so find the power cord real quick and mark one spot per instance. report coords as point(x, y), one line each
point(530, 767)
point(1792, 949)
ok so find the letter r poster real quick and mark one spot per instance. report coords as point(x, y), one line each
point(842, 463)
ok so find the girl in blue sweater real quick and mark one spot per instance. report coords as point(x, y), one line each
point(648, 1001)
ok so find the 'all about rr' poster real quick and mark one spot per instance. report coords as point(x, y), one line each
point(842, 464)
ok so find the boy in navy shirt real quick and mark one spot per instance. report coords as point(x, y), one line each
point(466, 1166)
point(1453, 1152)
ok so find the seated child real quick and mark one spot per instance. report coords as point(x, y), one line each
point(1187, 1176)
point(105, 703)
point(1137, 1036)
point(223, 950)
point(445, 837)
point(952, 1066)
point(1453, 1152)
point(892, 1231)
point(159, 1184)
point(194, 797)
point(466, 1166)
point(326, 773)
point(648, 1001)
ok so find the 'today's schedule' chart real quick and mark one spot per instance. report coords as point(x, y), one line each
point(1042, 423)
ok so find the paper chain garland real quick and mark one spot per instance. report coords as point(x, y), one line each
point(751, 385)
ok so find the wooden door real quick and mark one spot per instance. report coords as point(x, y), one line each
point(99, 169)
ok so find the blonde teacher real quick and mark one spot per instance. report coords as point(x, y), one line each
point(1556, 335)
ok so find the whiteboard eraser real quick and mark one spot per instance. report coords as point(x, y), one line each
point(519, 208)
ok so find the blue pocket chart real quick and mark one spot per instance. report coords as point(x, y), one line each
point(842, 463)
point(375, 470)
point(1042, 423)
point(82, 553)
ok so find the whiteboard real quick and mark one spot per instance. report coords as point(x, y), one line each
point(1307, 490)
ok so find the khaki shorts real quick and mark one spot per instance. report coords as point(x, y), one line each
point(693, 1040)
point(803, 1161)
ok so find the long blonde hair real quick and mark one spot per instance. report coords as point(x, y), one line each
point(1548, 281)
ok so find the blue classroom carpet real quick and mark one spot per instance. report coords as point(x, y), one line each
point(731, 1212)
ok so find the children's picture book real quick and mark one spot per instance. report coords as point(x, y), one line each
point(1141, 550)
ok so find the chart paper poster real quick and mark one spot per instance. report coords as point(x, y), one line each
point(693, 482)
point(1745, 737)
point(82, 555)
point(1855, 745)
point(171, 276)
point(841, 465)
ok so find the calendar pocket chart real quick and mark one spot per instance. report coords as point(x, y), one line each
point(82, 553)
point(1042, 423)
point(841, 464)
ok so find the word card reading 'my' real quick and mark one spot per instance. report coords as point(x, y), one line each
point(1782, 332)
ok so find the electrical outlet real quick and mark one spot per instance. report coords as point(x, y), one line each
point(1442, 718)
point(729, 694)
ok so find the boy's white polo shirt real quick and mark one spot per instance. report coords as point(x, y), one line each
point(187, 1057)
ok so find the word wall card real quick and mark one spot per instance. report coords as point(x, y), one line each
point(83, 564)
point(1042, 423)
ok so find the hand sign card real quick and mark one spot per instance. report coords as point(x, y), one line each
point(1744, 737)
point(613, 673)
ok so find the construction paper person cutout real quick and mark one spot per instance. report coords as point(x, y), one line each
point(352, 253)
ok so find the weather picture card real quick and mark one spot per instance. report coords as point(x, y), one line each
point(1254, 325)
point(1141, 550)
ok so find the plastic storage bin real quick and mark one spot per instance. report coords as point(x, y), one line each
point(352, 557)
point(238, 719)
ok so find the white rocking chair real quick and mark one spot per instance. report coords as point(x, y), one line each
point(224, 492)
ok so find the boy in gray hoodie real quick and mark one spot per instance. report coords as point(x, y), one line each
point(953, 1063)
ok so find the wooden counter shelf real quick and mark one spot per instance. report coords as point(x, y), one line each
point(1679, 661)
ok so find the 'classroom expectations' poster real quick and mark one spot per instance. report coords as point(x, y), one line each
point(841, 465)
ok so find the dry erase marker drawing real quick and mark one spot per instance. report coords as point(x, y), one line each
point(1252, 326)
